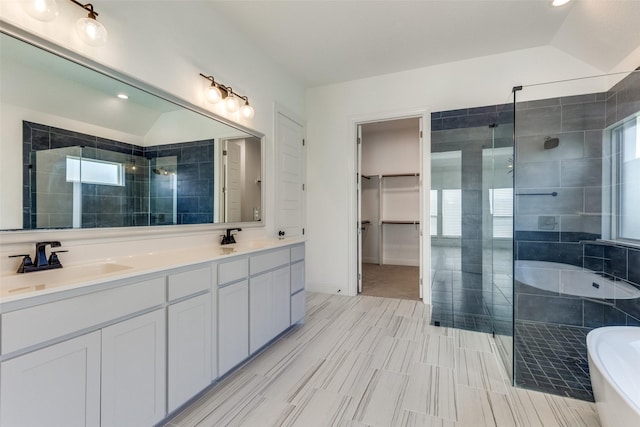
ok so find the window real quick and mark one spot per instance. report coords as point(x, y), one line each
point(501, 208)
point(627, 137)
point(452, 213)
point(90, 171)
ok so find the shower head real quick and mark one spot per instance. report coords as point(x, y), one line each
point(550, 143)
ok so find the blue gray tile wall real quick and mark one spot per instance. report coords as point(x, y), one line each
point(551, 228)
point(138, 202)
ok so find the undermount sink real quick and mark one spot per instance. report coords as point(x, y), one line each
point(48, 279)
point(102, 268)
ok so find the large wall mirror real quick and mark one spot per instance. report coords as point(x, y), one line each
point(82, 149)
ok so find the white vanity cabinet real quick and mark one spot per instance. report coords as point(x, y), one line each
point(297, 284)
point(133, 371)
point(57, 386)
point(131, 351)
point(269, 297)
point(233, 313)
point(190, 335)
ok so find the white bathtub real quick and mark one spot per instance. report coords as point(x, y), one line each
point(571, 280)
point(614, 361)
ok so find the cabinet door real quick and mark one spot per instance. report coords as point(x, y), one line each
point(233, 325)
point(260, 306)
point(281, 300)
point(134, 371)
point(56, 386)
point(189, 349)
point(269, 306)
point(297, 277)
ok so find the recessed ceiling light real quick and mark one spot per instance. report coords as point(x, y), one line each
point(123, 96)
point(558, 3)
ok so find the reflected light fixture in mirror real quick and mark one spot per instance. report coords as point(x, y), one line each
point(42, 10)
point(89, 29)
point(217, 92)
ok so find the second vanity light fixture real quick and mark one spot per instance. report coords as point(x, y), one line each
point(217, 92)
point(88, 29)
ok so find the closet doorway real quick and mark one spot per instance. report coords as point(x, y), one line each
point(389, 213)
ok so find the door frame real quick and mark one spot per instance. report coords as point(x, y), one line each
point(425, 185)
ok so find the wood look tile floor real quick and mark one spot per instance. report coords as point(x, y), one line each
point(369, 361)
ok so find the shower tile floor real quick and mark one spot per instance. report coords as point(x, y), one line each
point(553, 359)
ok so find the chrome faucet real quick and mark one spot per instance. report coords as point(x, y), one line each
point(228, 238)
point(41, 262)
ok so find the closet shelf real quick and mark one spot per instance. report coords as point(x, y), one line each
point(389, 221)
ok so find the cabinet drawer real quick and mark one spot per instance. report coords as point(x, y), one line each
point(189, 282)
point(34, 325)
point(268, 261)
point(297, 253)
point(233, 270)
point(297, 277)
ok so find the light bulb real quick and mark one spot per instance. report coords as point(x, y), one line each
point(213, 94)
point(42, 10)
point(91, 32)
point(247, 110)
point(231, 103)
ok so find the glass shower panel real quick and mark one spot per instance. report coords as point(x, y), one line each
point(115, 188)
point(461, 255)
point(568, 207)
point(163, 180)
point(446, 178)
point(498, 233)
point(52, 193)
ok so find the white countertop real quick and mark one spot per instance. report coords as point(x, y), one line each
point(15, 287)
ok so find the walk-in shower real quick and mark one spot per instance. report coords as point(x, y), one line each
point(548, 183)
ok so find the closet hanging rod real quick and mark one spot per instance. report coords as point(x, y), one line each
point(393, 175)
point(400, 222)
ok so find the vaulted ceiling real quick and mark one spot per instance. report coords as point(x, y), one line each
point(323, 42)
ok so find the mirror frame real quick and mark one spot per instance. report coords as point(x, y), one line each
point(21, 236)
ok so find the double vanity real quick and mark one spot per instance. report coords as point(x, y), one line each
point(129, 341)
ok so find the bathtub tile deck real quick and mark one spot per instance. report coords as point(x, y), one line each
point(367, 361)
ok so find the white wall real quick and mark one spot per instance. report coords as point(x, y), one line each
point(331, 111)
point(167, 44)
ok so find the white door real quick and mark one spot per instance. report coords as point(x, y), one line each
point(359, 206)
point(189, 349)
point(58, 386)
point(290, 176)
point(233, 182)
point(134, 371)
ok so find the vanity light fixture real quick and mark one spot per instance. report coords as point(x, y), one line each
point(247, 110)
point(89, 29)
point(42, 10)
point(217, 92)
point(558, 3)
